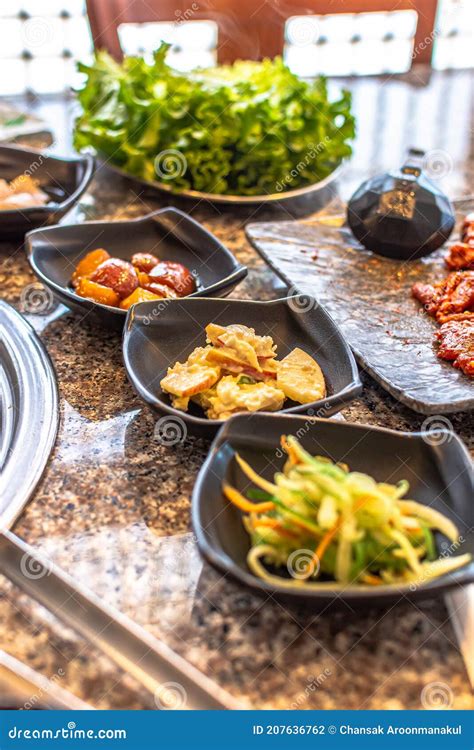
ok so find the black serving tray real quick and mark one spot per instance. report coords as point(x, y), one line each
point(169, 234)
point(156, 337)
point(64, 179)
point(440, 475)
point(369, 297)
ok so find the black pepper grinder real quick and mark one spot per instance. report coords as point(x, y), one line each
point(401, 214)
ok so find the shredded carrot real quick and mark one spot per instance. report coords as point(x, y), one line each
point(373, 580)
point(327, 539)
point(272, 523)
point(241, 502)
point(322, 546)
point(412, 529)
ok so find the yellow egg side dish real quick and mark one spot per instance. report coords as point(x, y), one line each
point(326, 527)
point(238, 371)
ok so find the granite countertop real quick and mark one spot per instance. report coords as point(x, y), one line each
point(113, 511)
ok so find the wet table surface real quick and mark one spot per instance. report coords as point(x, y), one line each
point(113, 506)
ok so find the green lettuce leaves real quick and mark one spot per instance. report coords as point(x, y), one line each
point(246, 129)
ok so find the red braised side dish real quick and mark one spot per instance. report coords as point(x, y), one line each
point(122, 283)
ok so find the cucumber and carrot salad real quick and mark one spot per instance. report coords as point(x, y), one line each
point(324, 526)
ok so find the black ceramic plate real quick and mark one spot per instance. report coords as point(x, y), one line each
point(370, 298)
point(156, 337)
point(63, 179)
point(437, 466)
point(168, 233)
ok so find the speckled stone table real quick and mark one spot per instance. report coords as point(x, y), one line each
point(113, 506)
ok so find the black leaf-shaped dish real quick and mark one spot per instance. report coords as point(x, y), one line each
point(168, 233)
point(158, 336)
point(64, 179)
point(436, 464)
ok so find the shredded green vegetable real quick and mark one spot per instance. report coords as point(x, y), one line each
point(325, 524)
point(246, 129)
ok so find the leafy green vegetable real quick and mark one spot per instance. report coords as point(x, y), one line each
point(246, 129)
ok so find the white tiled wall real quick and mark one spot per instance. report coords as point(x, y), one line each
point(40, 40)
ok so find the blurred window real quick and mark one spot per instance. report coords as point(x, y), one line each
point(454, 35)
point(350, 44)
point(41, 40)
point(194, 42)
point(375, 43)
